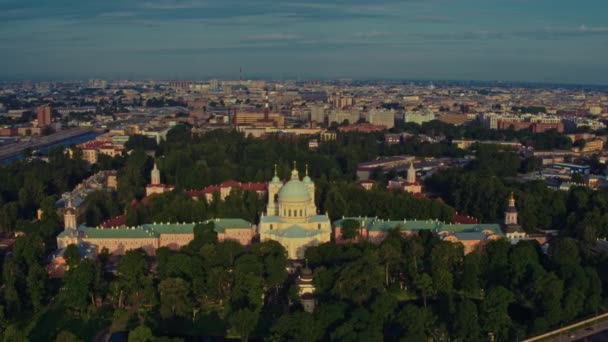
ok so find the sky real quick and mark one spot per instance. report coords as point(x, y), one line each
point(555, 41)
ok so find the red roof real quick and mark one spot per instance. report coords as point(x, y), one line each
point(254, 186)
point(228, 184)
point(464, 219)
point(118, 221)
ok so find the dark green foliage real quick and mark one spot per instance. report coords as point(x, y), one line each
point(350, 229)
point(418, 288)
point(26, 187)
point(140, 142)
point(100, 206)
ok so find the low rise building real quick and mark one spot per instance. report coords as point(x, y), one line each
point(408, 185)
point(375, 230)
point(419, 117)
point(380, 117)
point(362, 128)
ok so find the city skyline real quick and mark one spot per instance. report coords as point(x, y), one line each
point(530, 41)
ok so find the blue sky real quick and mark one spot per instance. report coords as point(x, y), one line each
point(510, 40)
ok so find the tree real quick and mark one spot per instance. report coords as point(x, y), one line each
point(36, 286)
point(494, 312)
point(390, 252)
point(141, 334)
point(358, 281)
point(13, 278)
point(471, 273)
point(350, 229)
point(443, 256)
point(466, 322)
point(174, 298)
point(424, 285)
point(418, 322)
point(79, 286)
point(243, 322)
point(298, 326)
point(71, 255)
point(66, 336)
point(564, 252)
point(132, 270)
point(274, 258)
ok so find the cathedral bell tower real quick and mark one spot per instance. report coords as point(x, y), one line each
point(411, 174)
point(69, 216)
point(511, 213)
point(273, 194)
point(155, 176)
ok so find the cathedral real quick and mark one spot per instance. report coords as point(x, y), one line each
point(291, 216)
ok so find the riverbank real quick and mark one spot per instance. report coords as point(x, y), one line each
point(14, 152)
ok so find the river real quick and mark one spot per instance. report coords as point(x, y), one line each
point(67, 142)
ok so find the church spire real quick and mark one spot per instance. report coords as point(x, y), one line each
point(411, 174)
point(511, 200)
point(511, 213)
point(306, 169)
point(294, 173)
point(155, 175)
point(69, 204)
point(69, 216)
point(275, 170)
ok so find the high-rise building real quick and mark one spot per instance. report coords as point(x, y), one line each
point(214, 84)
point(43, 114)
point(419, 117)
point(339, 116)
point(317, 113)
point(380, 117)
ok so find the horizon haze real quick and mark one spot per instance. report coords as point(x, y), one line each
point(555, 41)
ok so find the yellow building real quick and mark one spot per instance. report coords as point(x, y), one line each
point(291, 216)
point(257, 120)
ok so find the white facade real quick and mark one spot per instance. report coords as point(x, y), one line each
point(419, 117)
point(381, 117)
point(291, 216)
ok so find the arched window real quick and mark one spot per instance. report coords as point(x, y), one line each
point(270, 227)
point(289, 212)
point(301, 212)
point(319, 226)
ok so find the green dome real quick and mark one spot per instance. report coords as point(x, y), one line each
point(294, 191)
point(307, 180)
point(275, 180)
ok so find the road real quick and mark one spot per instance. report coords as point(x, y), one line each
point(14, 149)
point(594, 333)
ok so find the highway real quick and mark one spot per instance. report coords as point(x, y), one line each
point(12, 150)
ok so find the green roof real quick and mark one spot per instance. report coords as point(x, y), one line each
point(119, 233)
point(376, 224)
point(294, 231)
point(220, 225)
point(277, 219)
point(294, 190)
point(154, 230)
point(170, 228)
